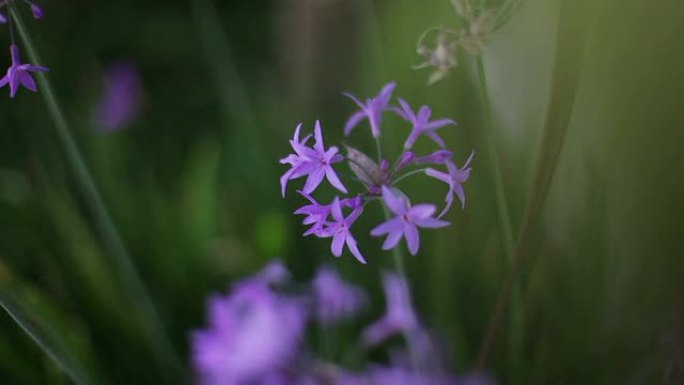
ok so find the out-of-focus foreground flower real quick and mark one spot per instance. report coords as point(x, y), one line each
point(255, 335)
point(121, 98)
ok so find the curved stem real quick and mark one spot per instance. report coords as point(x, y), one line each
point(408, 174)
point(164, 352)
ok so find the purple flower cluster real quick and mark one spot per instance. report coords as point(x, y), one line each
point(19, 74)
point(378, 180)
point(255, 334)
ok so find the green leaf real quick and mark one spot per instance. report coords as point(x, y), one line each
point(46, 339)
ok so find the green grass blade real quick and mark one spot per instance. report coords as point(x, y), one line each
point(164, 352)
point(48, 341)
point(564, 83)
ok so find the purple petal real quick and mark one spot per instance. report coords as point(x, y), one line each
point(4, 81)
point(412, 238)
point(435, 138)
point(353, 121)
point(284, 179)
point(314, 179)
point(296, 133)
point(334, 179)
point(3, 19)
point(378, 332)
point(421, 211)
point(449, 200)
point(444, 177)
point(458, 189)
point(357, 101)
point(337, 244)
point(407, 111)
point(424, 114)
point(392, 239)
point(337, 210)
point(35, 68)
point(411, 140)
point(27, 81)
point(389, 226)
point(353, 248)
point(394, 202)
point(386, 93)
point(435, 124)
point(318, 135)
point(431, 223)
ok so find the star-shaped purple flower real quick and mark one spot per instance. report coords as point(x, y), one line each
point(315, 162)
point(340, 232)
point(400, 316)
point(421, 124)
point(19, 74)
point(454, 178)
point(406, 221)
point(371, 110)
point(317, 214)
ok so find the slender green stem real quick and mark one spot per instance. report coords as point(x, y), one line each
point(408, 174)
point(566, 73)
point(164, 353)
point(378, 149)
point(501, 202)
point(515, 321)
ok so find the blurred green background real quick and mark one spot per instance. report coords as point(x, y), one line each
point(192, 184)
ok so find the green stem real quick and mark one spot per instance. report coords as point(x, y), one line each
point(515, 321)
point(501, 202)
point(565, 78)
point(164, 353)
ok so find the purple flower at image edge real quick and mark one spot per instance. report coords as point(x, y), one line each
point(335, 298)
point(454, 178)
point(121, 100)
point(399, 317)
point(18, 74)
point(340, 231)
point(421, 124)
point(406, 221)
point(252, 332)
point(3, 19)
point(371, 110)
point(315, 162)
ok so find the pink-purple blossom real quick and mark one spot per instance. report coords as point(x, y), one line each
point(421, 124)
point(455, 177)
point(372, 110)
point(315, 162)
point(406, 221)
point(340, 231)
point(19, 74)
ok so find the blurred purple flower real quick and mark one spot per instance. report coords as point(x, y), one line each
point(371, 110)
point(421, 124)
point(121, 100)
point(399, 317)
point(37, 11)
point(252, 333)
point(454, 178)
point(19, 74)
point(3, 19)
point(340, 232)
point(406, 221)
point(315, 162)
point(335, 298)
